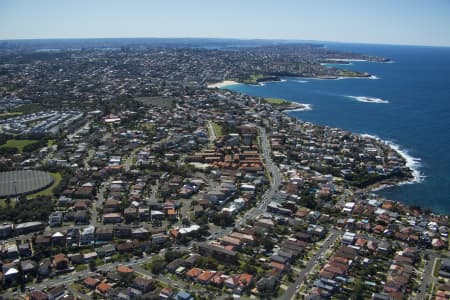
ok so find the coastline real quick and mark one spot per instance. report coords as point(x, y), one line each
point(331, 77)
point(262, 83)
point(222, 84)
point(226, 83)
point(410, 162)
point(288, 105)
point(346, 59)
point(302, 107)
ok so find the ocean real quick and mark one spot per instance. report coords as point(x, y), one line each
point(407, 103)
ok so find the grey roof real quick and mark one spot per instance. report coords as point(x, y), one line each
point(14, 183)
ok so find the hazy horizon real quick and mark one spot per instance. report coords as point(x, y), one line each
point(224, 38)
point(403, 22)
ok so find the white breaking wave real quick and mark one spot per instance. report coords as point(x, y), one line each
point(301, 81)
point(373, 77)
point(305, 107)
point(411, 162)
point(271, 81)
point(366, 99)
point(337, 63)
point(414, 163)
point(346, 59)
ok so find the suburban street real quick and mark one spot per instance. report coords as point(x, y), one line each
point(212, 133)
point(293, 288)
point(428, 277)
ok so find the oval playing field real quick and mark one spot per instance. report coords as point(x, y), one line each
point(13, 183)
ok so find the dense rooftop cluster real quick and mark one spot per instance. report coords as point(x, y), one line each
point(87, 75)
point(204, 193)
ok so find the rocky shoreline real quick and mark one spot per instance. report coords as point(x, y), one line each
point(405, 175)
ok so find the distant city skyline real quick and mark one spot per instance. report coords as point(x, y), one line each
point(403, 22)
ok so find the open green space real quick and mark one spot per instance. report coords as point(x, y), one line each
point(80, 268)
point(7, 115)
point(49, 191)
point(150, 128)
point(29, 108)
point(437, 268)
point(18, 144)
point(348, 73)
point(276, 101)
point(165, 102)
point(3, 203)
point(255, 78)
point(217, 129)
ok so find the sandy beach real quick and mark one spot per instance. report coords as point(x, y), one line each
point(222, 84)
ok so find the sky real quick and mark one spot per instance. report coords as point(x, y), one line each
point(410, 22)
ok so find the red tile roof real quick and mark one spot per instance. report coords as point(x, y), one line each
point(103, 287)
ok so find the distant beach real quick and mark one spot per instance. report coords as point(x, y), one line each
point(222, 84)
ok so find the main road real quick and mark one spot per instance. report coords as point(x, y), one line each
point(212, 132)
point(271, 168)
point(428, 276)
point(275, 180)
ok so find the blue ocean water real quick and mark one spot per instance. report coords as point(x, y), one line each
point(417, 116)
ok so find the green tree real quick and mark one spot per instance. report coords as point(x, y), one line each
point(358, 290)
point(92, 265)
point(158, 265)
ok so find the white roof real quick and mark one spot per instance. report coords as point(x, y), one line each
point(189, 229)
point(248, 186)
point(57, 234)
point(374, 202)
point(11, 271)
point(380, 211)
point(350, 204)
